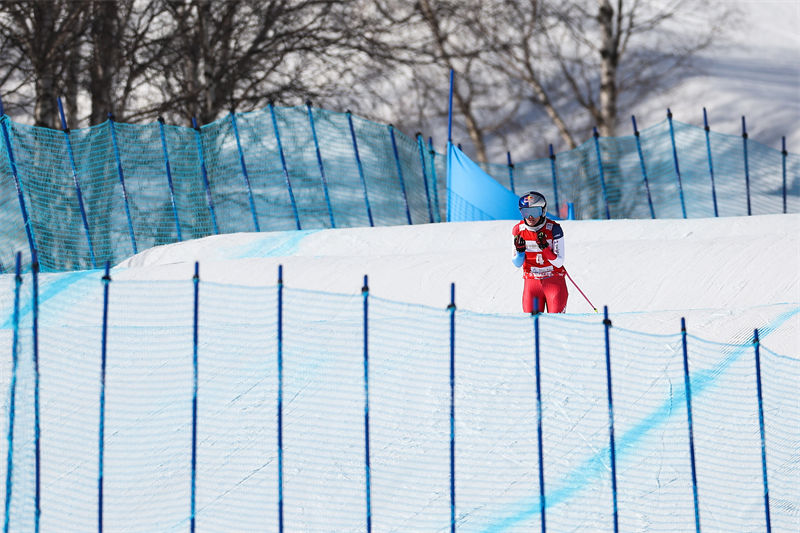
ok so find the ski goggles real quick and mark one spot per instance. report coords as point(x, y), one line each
point(534, 212)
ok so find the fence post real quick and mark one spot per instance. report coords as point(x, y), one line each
point(555, 178)
point(542, 503)
point(280, 398)
point(106, 280)
point(244, 170)
point(21, 197)
point(196, 283)
point(12, 394)
point(283, 164)
point(784, 153)
point(450, 110)
point(358, 164)
point(169, 177)
point(434, 185)
point(36, 415)
point(400, 172)
point(746, 165)
point(675, 160)
point(75, 180)
point(206, 185)
point(113, 130)
point(319, 162)
point(612, 446)
point(602, 174)
point(644, 169)
point(510, 172)
point(365, 295)
point(710, 162)
point(421, 146)
point(452, 310)
point(756, 344)
point(688, 386)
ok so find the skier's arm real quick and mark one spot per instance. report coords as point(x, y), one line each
point(557, 252)
point(520, 246)
point(553, 253)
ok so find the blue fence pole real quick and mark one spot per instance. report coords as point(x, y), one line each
point(644, 169)
point(602, 174)
point(710, 161)
point(196, 282)
point(539, 437)
point(746, 165)
point(280, 398)
point(358, 164)
point(421, 146)
point(688, 385)
point(244, 170)
point(36, 412)
point(319, 162)
point(756, 344)
point(612, 445)
point(365, 295)
point(169, 177)
point(21, 197)
point(434, 185)
point(400, 172)
point(76, 181)
point(555, 178)
point(121, 175)
point(452, 310)
point(450, 110)
point(283, 164)
point(510, 172)
point(204, 174)
point(12, 394)
point(106, 279)
point(675, 160)
point(784, 153)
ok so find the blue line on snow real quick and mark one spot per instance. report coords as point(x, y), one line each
point(59, 284)
point(595, 466)
point(275, 245)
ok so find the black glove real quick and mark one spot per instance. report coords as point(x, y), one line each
point(519, 243)
point(541, 240)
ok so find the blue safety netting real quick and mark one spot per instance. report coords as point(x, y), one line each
point(338, 372)
point(103, 193)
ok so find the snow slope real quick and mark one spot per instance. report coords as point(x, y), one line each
point(726, 276)
point(667, 267)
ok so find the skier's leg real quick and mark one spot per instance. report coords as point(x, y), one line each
point(555, 290)
point(532, 291)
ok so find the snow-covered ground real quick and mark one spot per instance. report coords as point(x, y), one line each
point(725, 276)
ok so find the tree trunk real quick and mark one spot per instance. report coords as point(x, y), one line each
point(45, 111)
point(609, 55)
point(103, 60)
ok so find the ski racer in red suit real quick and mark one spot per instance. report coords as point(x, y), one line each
point(539, 242)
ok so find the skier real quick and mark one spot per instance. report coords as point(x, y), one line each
point(539, 242)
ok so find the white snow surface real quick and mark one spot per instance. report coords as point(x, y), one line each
point(710, 268)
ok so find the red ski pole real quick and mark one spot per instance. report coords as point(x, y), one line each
point(579, 290)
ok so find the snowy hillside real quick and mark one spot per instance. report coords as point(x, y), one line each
point(726, 276)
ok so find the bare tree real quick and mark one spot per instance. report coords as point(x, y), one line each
point(222, 55)
point(588, 54)
point(426, 40)
point(45, 37)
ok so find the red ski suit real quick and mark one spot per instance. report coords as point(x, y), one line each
point(542, 270)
